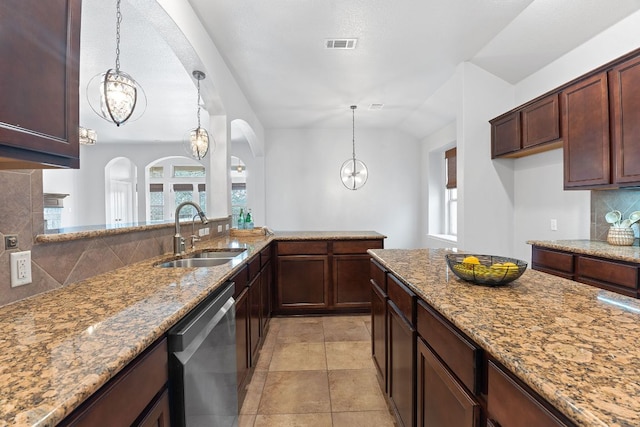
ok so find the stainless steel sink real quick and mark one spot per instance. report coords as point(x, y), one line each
point(207, 259)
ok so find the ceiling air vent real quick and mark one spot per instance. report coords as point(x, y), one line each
point(376, 106)
point(340, 43)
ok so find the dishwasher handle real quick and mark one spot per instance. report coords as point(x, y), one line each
point(201, 320)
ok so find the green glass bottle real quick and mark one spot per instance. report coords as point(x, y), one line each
point(248, 221)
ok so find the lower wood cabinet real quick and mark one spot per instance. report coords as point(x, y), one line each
point(402, 369)
point(323, 276)
point(509, 404)
point(242, 344)
point(442, 400)
point(613, 275)
point(433, 375)
point(134, 397)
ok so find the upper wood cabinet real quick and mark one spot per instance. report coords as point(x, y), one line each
point(39, 83)
point(541, 122)
point(624, 96)
point(505, 134)
point(530, 129)
point(585, 124)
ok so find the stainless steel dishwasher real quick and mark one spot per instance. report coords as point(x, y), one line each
point(202, 364)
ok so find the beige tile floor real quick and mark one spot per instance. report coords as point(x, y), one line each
point(316, 372)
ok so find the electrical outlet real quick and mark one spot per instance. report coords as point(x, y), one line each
point(554, 225)
point(226, 227)
point(203, 231)
point(20, 268)
point(220, 228)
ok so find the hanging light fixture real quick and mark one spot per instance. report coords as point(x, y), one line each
point(87, 136)
point(353, 172)
point(197, 141)
point(114, 95)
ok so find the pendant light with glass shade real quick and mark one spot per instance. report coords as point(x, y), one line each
point(114, 95)
point(197, 140)
point(353, 171)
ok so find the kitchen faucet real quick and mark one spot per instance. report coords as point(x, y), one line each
point(178, 240)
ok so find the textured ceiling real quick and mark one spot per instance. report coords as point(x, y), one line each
point(406, 50)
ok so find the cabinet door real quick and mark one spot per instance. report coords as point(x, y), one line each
point(158, 415)
point(442, 400)
point(402, 372)
point(39, 83)
point(510, 405)
point(379, 333)
point(505, 135)
point(255, 304)
point(266, 281)
point(242, 343)
point(541, 122)
point(624, 91)
point(585, 129)
point(351, 287)
point(615, 276)
point(303, 282)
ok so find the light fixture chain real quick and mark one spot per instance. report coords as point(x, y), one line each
point(118, 21)
point(198, 102)
point(353, 125)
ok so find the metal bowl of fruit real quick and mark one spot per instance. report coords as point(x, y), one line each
point(489, 270)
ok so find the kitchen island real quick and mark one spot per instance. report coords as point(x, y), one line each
point(572, 344)
point(59, 348)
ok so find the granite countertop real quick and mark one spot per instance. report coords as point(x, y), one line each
point(574, 344)
point(58, 348)
point(328, 235)
point(592, 247)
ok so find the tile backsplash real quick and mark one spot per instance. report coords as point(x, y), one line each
point(58, 264)
point(603, 201)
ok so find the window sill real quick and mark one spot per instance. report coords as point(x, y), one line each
point(444, 237)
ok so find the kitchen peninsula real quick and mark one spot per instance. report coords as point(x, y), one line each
point(572, 346)
point(59, 348)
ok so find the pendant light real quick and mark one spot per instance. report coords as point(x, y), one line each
point(114, 95)
point(197, 140)
point(353, 171)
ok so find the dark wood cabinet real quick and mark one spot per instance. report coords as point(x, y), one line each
point(624, 95)
point(133, 397)
point(255, 308)
point(530, 129)
point(401, 351)
point(266, 283)
point(441, 399)
point(511, 404)
point(613, 275)
point(158, 415)
point(242, 344)
point(553, 262)
point(39, 83)
point(323, 276)
point(541, 122)
point(379, 322)
point(402, 371)
point(505, 134)
point(616, 276)
point(585, 128)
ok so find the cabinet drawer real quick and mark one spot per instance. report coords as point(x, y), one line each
point(554, 262)
point(509, 404)
point(124, 398)
point(265, 255)
point(355, 246)
point(600, 272)
point(241, 280)
point(378, 275)
point(254, 267)
point(461, 356)
point(402, 297)
point(307, 247)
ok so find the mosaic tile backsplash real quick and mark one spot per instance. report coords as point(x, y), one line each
point(603, 201)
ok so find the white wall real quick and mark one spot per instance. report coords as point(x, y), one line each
point(304, 190)
point(255, 180)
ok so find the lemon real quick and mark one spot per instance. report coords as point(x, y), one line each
point(471, 260)
point(509, 264)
